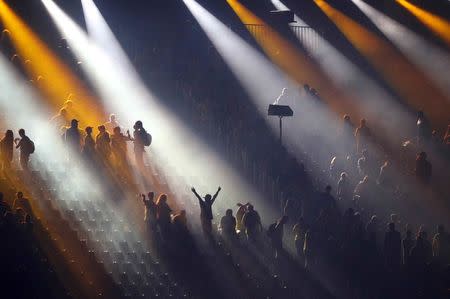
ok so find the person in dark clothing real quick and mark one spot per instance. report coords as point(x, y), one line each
point(421, 253)
point(26, 147)
point(119, 148)
point(441, 246)
point(206, 214)
point(163, 212)
point(4, 207)
point(423, 128)
point(23, 203)
point(327, 201)
point(228, 225)
point(407, 245)
point(73, 136)
point(88, 150)
point(362, 135)
point(344, 189)
point(6, 149)
point(423, 168)
point(392, 248)
point(275, 234)
point(252, 224)
point(150, 211)
point(139, 136)
point(299, 231)
point(102, 144)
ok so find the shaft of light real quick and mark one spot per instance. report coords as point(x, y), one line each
point(438, 25)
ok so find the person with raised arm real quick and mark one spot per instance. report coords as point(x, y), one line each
point(206, 215)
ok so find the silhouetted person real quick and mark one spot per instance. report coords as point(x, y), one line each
point(6, 149)
point(344, 188)
point(392, 247)
point(150, 216)
point(372, 230)
point(163, 212)
point(23, 203)
point(102, 144)
point(242, 209)
point(60, 120)
point(441, 246)
point(252, 224)
point(365, 164)
point(180, 227)
point(26, 147)
point(423, 168)
point(407, 245)
point(119, 148)
point(206, 215)
point(421, 253)
point(228, 225)
point(423, 128)
point(345, 136)
point(362, 189)
point(275, 233)
point(73, 136)
point(112, 123)
point(362, 135)
point(4, 207)
point(88, 150)
point(141, 140)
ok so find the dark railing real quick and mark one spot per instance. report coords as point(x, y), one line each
point(307, 36)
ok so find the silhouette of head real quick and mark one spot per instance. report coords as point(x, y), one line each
point(9, 134)
point(19, 194)
point(328, 189)
point(229, 212)
point(162, 198)
point(151, 196)
point(250, 208)
point(343, 175)
point(422, 155)
point(112, 117)
point(74, 123)
point(362, 123)
point(208, 197)
point(102, 128)
point(21, 132)
point(346, 117)
point(116, 130)
point(391, 226)
point(137, 125)
point(88, 130)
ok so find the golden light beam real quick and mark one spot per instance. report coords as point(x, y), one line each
point(438, 25)
point(411, 83)
point(52, 76)
point(295, 64)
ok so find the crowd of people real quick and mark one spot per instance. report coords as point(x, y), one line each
point(335, 223)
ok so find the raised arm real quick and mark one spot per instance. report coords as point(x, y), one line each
point(196, 194)
point(215, 195)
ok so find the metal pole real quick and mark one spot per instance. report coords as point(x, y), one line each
point(281, 129)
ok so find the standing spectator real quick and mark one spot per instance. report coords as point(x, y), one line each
point(299, 231)
point(60, 120)
point(119, 148)
point(88, 150)
point(112, 123)
point(362, 135)
point(228, 225)
point(242, 209)
point(275, 234)
point(141, 140)
point(150, 212)
point(4, 207)
point(344, 189)
point(392, 248)
point(441, 246)
point(163, 212)
point(206, 215)
point(6, 149)
point(421, 253)
point(102, 144)
point(423, 128)
point(23, 203)
point(407, 245)
point(26, 147)
point(423, 168)
point(72, 136)
point(252, 224)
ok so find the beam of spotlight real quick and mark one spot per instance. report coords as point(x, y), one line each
point(434, 61)
point(174, 146)
point(438, 25)
point(385, 113)
point(263, 82)
point(51, 75)
point(411, 83)
point(290, 60)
